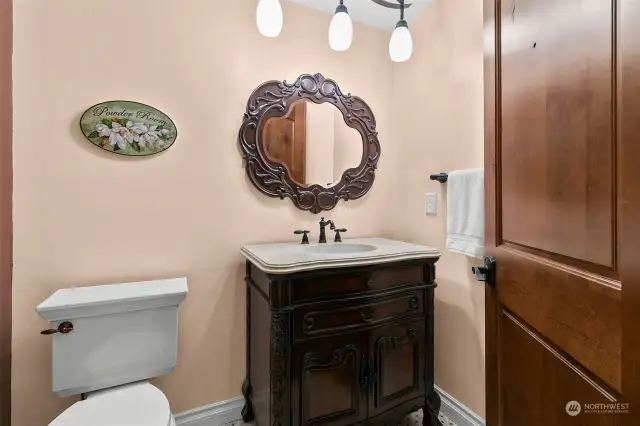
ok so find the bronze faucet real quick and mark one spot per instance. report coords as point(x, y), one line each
point(323, 223)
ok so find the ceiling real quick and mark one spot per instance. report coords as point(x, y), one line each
point(367, 12)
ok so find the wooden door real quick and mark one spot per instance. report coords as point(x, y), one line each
point(286, 141)
point(562, 160)
point(330, 389)
point(397, 366)
point(6, 224)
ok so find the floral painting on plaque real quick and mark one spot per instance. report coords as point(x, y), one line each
point(128, 128)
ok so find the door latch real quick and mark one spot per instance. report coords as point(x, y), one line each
point(486, 272)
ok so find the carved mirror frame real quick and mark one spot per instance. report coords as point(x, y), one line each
point(274, 99)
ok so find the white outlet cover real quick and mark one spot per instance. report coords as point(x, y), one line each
point(431, 204)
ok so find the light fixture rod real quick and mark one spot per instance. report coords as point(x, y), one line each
point(391, 5)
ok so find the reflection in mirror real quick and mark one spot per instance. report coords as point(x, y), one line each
point(313, 142)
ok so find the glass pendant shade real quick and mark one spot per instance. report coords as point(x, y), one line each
point(341, 30)
point(401, 43)
point(269, 18)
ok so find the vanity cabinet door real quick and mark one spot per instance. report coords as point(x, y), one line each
point(329, 381)
point(398, 365)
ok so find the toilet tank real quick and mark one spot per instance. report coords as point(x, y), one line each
point(122, 333)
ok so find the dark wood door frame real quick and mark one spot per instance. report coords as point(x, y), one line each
point(628, 91)
point(6, 222)
point(626, 63)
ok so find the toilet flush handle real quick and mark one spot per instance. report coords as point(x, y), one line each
point(64, 328)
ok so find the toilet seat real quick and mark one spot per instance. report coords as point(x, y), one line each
point(136, 404)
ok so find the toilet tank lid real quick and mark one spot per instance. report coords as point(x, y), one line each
point(79, 302)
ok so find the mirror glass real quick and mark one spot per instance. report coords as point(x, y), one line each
point(313, 142)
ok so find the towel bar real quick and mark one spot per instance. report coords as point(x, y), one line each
point(440, 177)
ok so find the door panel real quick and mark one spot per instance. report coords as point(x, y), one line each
point(520, 405)
point(397, 353)
point(577, 312)
point(561, 203)
point(557, 127)
point(330, 380)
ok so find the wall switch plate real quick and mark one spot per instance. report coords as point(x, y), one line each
point(431, 204)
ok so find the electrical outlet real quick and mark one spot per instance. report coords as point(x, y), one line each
point(431, 204)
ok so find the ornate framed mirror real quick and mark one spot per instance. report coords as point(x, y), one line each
point(310, 142)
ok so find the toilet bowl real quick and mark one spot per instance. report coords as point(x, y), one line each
point(107, 341)
point(137, 404)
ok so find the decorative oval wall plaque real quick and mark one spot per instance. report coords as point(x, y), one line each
point(128, 128)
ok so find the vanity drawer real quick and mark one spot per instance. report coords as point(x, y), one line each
point(333, 319)
point(319, 287)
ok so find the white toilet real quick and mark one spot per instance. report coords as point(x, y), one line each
point(107, 342)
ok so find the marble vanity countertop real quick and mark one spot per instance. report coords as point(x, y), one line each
point(285, 258)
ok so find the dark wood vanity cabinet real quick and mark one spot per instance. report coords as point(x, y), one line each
point(341, 346)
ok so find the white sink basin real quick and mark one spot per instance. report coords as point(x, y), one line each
point(286, 258)
point(340, 248)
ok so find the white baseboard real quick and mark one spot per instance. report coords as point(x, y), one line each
point(457, 412)
point(216, 414)
point(223, 412)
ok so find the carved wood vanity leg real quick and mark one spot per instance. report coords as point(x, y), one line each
point(278, 367)
point(432, 407)
point(247, 410)
point(431, 410)
point(248, 413)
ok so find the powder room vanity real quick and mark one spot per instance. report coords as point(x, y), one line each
point(340, 333)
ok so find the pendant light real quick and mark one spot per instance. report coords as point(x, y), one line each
point(269, 18)
point(401, 43)
point(341, 29)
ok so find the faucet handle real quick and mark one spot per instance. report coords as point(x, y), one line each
point(338, 239)
point(305, 239)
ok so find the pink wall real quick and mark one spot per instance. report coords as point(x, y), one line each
point(332, 146)
point(438, 127)
point(320, 143)
point(347, 150)
point(84, 217)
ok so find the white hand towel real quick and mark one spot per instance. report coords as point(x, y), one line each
point(465, 212)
